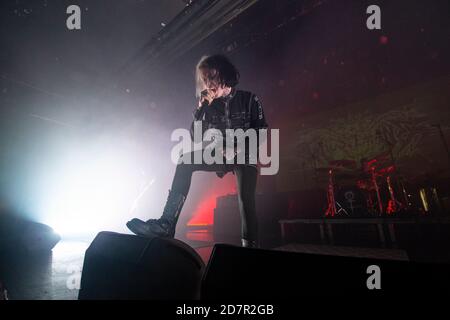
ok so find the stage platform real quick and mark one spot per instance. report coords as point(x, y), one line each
point(385, 227)
point(55, 276)
point(373, 253)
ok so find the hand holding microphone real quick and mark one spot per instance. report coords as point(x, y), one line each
point(207, 96)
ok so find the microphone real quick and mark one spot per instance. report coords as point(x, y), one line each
point(205, 102)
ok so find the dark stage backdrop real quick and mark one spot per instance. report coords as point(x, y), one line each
point(406, 120)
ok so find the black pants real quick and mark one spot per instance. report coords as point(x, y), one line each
point(246, 176)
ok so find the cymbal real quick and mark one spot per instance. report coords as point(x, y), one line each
point(380, 160)
point(385, 171)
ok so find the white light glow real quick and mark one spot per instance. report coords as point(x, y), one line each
point(93, 190)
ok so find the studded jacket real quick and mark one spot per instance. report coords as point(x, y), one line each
point(238, 110)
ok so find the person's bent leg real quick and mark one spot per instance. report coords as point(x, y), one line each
point(166, 224)
point(246, 182)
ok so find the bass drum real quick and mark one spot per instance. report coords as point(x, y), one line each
point(353, 200)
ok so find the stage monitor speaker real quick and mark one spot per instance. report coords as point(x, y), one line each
point(234, 272)
point(119, 266)
point(20, 236)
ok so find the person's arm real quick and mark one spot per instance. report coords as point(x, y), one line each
point(199, 113)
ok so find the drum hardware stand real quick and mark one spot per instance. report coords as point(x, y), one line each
point(405, 194)
point(334, 207)
point(377, 190)
point(371, 206)
point(398, 204)
point(393, 204)
point(400, 184)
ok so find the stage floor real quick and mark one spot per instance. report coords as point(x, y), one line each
point(56, 275)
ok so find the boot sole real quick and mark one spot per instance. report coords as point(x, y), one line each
point(136, 230)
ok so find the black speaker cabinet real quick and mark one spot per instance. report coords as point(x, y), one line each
point(269, 209)
point(22, 237)
point(235, 272)
point(119, 266)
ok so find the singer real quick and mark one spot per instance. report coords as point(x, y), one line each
point(221, 106)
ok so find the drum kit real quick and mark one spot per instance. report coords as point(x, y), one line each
point(365, 190)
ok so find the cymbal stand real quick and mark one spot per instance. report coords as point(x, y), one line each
point(393, 204)
point(377, 190)
point(334, 207)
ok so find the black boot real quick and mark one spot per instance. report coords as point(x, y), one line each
point(164, 226)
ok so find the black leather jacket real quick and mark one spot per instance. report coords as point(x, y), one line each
point(238, 110)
